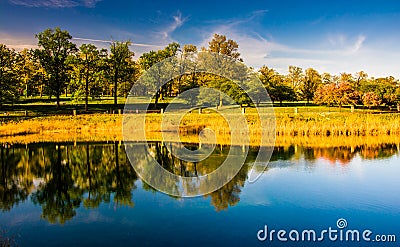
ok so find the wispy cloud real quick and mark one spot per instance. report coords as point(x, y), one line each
point(348, 44)
point(55, 3)
point(258, 47)
point(258, 51)
point(231, 22)
point(177, 22)
point(358, 44)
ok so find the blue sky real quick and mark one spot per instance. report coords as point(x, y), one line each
point(331, 36)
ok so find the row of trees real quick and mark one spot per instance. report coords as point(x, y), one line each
point(58, 66)
point(343, 89)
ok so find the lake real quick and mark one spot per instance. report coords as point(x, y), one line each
point(87, 193)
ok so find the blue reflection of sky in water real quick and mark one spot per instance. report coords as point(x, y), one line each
point(291, 194)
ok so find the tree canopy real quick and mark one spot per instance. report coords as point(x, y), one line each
point(57, 66)
point(54, 49)
point(9, 79)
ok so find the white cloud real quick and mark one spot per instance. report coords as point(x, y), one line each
point(238, 20)
point(334, 54)
point(347, 54)
point(345, 43)
point(178, 21)
point(55, 3)
point(358, 44)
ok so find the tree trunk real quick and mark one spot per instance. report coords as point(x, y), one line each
point(86, 92)
point(157, 96)
point(58, 100)
point(193, 79)
point(115, 87)
point(179, 84)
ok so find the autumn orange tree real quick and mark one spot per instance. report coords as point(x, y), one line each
point(337, 94)
point(371, 99)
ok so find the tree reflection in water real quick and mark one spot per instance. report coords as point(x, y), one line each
point(15, 181)
point(58, 195)
point(61, 177)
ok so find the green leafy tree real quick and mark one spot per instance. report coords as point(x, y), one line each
point(188, 65)
point(227, 47)
point(120, 65)
point(385, 88)
point(397, 94)
point(88, 68)
point(360, 78)
point(310, 84)
point(155, 79)
point(254, 90)
point(30, 72)
point(282, 92)
point(221, 45)
point(54, 49)
point(326, 78)
point(295, 77)
point(9, 79)
point(346, 78)
point(274, 83)
point(215, 97)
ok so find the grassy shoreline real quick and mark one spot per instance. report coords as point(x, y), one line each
point(308, 128)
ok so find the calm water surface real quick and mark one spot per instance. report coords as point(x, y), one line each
point(68, 194)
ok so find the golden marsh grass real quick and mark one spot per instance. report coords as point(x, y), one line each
point(309, 129)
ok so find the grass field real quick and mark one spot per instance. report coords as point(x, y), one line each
point(293, 122)
point(317, 126)
point(36, 106)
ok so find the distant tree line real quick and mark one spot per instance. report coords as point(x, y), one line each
point(59, 67)
point(331, 90)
